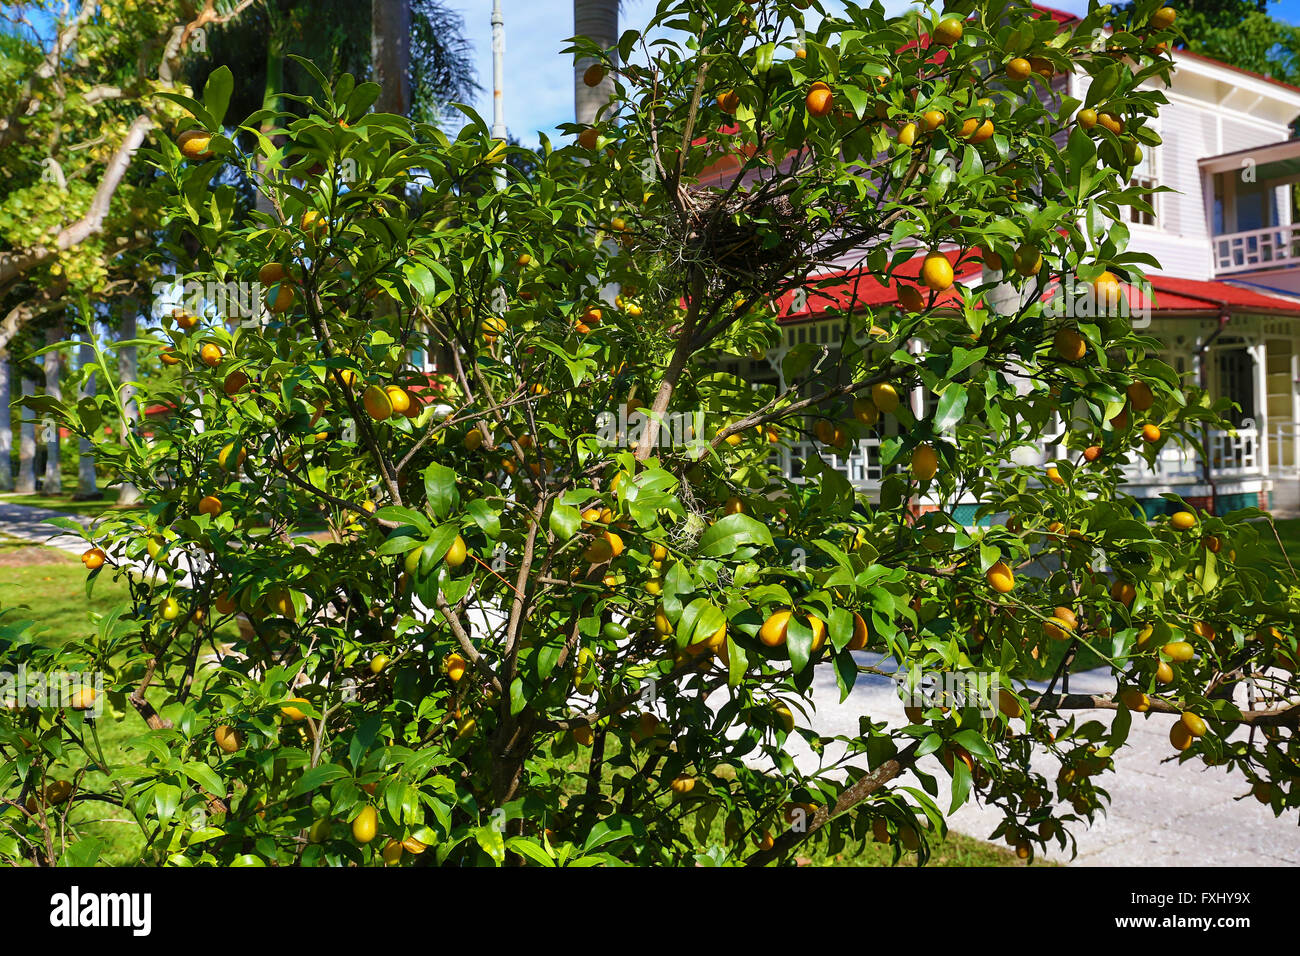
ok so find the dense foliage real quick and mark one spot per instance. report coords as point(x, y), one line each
point(474, 629)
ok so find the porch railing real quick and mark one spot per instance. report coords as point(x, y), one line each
point(1284, 449)
point(1256, 249)
point(1232, 454)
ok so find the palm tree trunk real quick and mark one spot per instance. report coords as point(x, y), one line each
point(27, 444)
point(270, 101)
point(597, 20)
point(52, 484)
point(129, 494)
point(87, 480)
point(390, 54)
point(6, 428)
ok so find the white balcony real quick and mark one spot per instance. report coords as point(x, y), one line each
point(1270, 248)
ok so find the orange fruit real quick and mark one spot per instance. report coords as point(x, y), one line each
point(1000, 577)
point(234, 382)
point(948, 31)
point(936, 272)
point(819, 99)
point(455, 666)
point(211, 354)
point(193, 144)
point(1027, 260)
point(1140, 397)
point(1182, 521)
point(210, 505)
point(398, 399)
point(594, 75)
point(1069, 345)
point(589, 138)
point(1124, 592)
point(1180, 737)
point(1018, 69)
point(729, 101)
point(885, 397)
point(1086, 118)
point(860, 634)
point(925, 463)
point(910, 298)
point(228, 739)
point(93, 559)
point(1150, 433)
point(1164, 18)
point(271, 273)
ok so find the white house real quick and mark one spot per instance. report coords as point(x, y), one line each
point(1226, 302)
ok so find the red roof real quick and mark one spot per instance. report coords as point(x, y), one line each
point(1199, 295)
point(849, 288)
point(1172, 294)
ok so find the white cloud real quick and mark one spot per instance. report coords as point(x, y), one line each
point(538, 91)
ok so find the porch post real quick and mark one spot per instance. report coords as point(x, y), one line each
point(1259, 376)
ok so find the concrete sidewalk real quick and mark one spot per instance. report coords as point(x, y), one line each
point(31, 524)
point(1160, 814)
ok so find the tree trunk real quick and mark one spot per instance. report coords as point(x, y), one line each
point(6, 428)
point(52, 484)
point(27, 444)
point(390, 54)
point(87, 480)
point(598, 21)
point(128, 494)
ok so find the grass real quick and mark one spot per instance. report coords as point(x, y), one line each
point(1288, 531)
point(52, 584)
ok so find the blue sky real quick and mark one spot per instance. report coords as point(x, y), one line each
point(539, 82)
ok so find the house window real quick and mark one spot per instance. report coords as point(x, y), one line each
point(1144, 180)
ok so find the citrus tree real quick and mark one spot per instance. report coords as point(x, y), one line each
point(560, 602)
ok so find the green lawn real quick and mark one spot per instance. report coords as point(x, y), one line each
point(64, 502)
point(1288, 530)
point(52, 584)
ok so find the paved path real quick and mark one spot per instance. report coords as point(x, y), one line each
point(1160, 814)
point(29, 524)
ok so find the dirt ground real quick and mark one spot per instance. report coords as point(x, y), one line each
point(18, 554)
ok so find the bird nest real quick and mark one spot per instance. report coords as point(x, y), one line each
point(741, 233)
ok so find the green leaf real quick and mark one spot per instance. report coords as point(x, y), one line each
point(406, 516)
point(485, 516)
point(216, 93)
point(730, 533)
point(205, 777)
point(527, 846)
point(317, 777)
point(493, 843)
point(565, 521)
point(951, 408)
point(440, 489)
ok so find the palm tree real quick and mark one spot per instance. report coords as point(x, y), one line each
point(598, 21)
